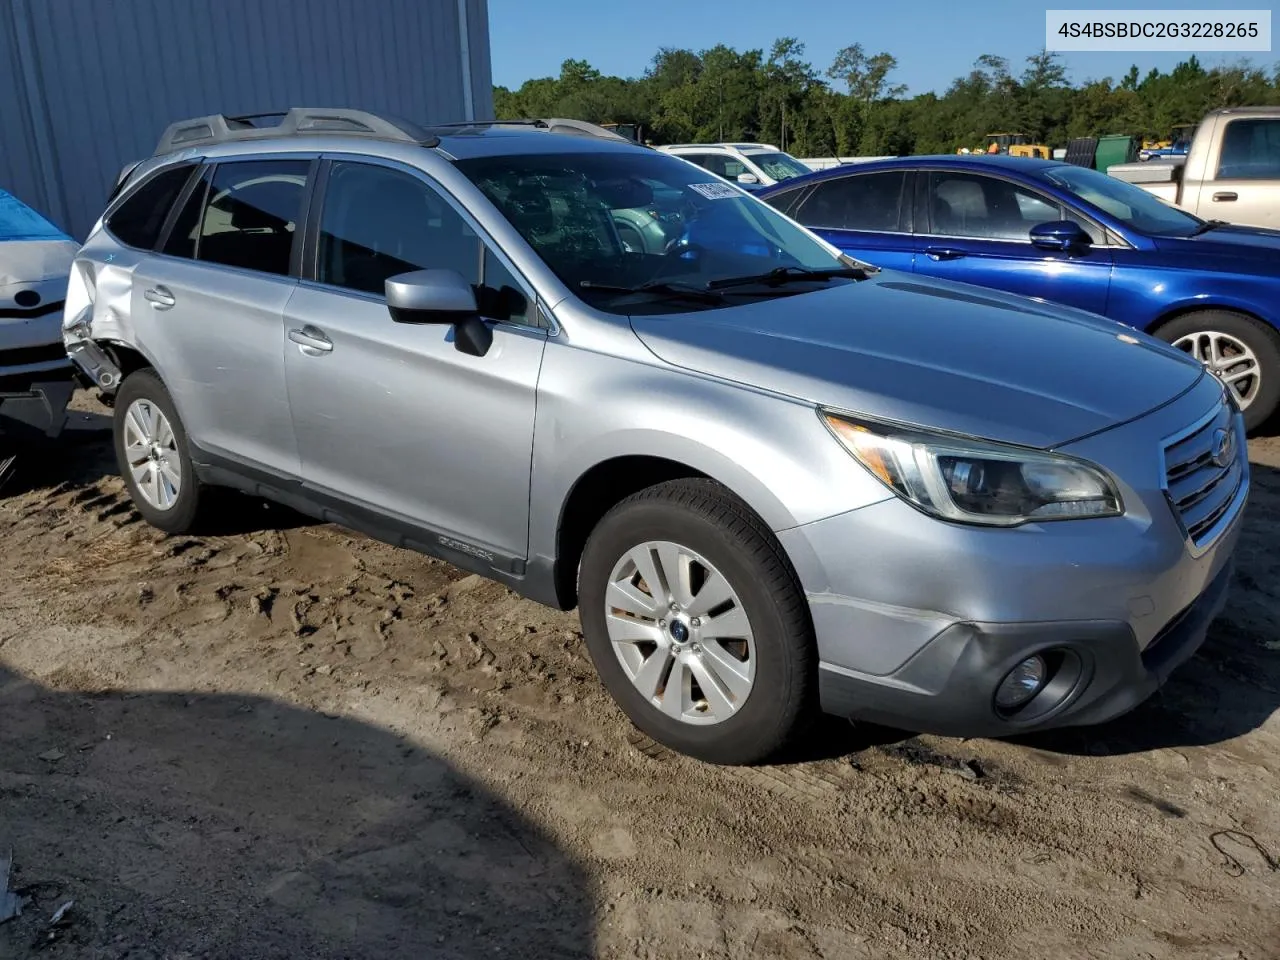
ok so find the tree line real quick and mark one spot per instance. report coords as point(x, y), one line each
point(854, 108)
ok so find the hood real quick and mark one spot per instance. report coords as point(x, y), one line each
point(1257, 245)
point(29, 262)
point(936, 354)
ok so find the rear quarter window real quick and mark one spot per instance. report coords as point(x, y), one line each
point(138, 220)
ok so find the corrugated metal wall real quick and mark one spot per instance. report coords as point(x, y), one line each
point(87, 86)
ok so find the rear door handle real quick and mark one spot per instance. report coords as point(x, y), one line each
point(1226, 196)
point(943, 253)
point(159, 297)
point(309, 338)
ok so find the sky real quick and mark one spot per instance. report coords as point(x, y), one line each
point(935, 41)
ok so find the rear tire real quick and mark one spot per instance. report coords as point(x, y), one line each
point(732, 683)
point(152, 453)
point(1242, 351)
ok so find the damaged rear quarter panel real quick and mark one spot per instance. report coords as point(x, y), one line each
point(99, 304)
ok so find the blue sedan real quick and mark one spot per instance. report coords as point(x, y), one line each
point(1067, 234)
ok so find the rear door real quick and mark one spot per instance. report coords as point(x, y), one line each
point(866, 215)
point(975, 228)
point(392, 417)
point(210, 307)
point(1246, 183)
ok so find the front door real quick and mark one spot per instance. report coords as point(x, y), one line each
point(393, 417)
point(865, 215)
point(213, 299)
point(975, 228)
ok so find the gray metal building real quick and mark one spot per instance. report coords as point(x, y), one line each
point(88, 85)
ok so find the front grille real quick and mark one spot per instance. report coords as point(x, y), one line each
point(30, 313)
point(25, 355)
point(1200, 488)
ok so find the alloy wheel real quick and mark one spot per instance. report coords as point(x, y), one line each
point(1229, 359)
point(152, 453)
point(681, 633)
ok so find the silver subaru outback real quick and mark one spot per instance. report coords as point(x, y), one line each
point(774, 480)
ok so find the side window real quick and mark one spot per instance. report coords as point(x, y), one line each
point(782, 202)
point(499, 296)
point(868, 201)
point(986, 208)
point(1096, 233)
point(138, 220)
point(722, 165)
point(1250, 150)
point(377, 222)
point(251, 214)
point(701, 159)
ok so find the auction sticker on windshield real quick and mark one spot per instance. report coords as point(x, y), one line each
point(715, 191)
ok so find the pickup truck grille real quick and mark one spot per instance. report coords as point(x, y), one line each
point(1204, 471)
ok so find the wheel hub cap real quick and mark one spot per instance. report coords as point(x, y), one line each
point(151, 453)
point(680, 632)
point(1229, 359)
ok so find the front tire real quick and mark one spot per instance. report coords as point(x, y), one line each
point(152, 453)
point(697, 624)
point(1242, 352)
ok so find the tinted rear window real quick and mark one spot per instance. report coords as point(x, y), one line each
point(138, 220)
point(867, 201)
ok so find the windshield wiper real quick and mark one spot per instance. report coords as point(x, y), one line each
point(1207, 226)
point(665, 287)
point(781, 275)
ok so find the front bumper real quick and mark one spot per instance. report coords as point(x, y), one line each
point(947, 688)
point(35, 409)
point(918, 620)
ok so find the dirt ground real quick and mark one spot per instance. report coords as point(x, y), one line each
point(290, 741)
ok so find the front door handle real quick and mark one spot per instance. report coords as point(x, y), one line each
point(943, 253)
point(159, 297)
point(309, 338)
point(1226, 196)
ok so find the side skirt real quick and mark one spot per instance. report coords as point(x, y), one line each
point(536, 581)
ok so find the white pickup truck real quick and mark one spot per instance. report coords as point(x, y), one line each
point(1231, 172)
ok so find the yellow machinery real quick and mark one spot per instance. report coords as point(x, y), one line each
point(1012, 144)
point(1180, 137)
point(1016, 145)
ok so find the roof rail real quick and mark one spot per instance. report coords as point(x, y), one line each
point(579, 128)
point(298, 121)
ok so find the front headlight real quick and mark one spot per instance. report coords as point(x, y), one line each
point(977, 481)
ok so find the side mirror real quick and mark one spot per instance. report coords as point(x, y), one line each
point(748, 178)
point(440, 296)
point(1060, 235)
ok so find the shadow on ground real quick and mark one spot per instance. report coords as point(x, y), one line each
point(214, 826)
point(83, 454)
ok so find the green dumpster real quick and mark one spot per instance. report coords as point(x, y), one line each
point(1117, 148)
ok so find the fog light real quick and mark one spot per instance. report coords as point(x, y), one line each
point(1021, 683)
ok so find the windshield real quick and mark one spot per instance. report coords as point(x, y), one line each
point(1131, 205)
point(622, 220)
point(20, 222)
point(779, 166)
